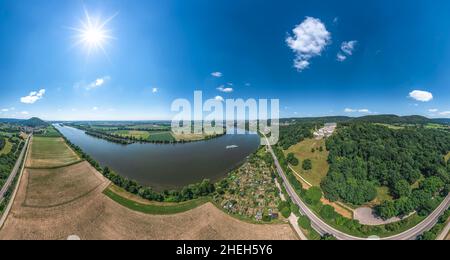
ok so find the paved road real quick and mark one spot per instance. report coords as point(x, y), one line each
point(323, 228)
point(444, 233)
point(14, 171)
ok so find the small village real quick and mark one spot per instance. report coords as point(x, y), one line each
point(326, 131)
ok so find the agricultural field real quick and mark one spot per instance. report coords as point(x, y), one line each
point(161, 136)
point(133, 134)
point(393, 127)
point(50, 152)
point(303, 151)
point(436, 126)
point(51, 187)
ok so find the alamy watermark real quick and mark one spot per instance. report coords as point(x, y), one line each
point(214, 116)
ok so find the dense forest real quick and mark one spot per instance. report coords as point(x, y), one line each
point(2, 143)
point(295, 133)
point(410, 162)
point(7, 161)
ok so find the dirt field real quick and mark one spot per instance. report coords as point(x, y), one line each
point(53, 187)
point(55, 204)
point(94, 216)
point(48, 152)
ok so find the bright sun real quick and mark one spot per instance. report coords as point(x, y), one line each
point(93, 34)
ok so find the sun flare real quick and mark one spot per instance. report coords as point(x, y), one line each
point(93, 33)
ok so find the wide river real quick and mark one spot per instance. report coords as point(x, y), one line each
point(168, 166)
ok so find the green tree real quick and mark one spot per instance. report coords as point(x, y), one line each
point(292, 159)
point(313, 195)
point(402, 189)
point(307, 165)
point(386, 210)
point(286, 212)
point(304, 222)
point(328, 212)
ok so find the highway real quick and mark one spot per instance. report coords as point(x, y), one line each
point(14, 171)
point(323, 228)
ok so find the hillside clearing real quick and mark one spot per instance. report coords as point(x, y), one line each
point(7, 148)
point(303, 151)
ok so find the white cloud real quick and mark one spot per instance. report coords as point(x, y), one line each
point(219, 98)
point(420, 95)
point(24, 113)
point(225, 89)
point(362, 110)
point(433, 110)
point(155, 90)
point(347, 49)
point(217, 74)
point(309, 40)
point(95, 108)
point(341, 57)
point(349, 110)
point(445, 113)
point(33, 97)
point(99, 82)
point(5, 110)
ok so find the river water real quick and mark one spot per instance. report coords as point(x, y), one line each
point(168, 166)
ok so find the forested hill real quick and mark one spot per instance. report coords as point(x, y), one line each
point(32, 122)
point(444, 121)
point(383, 119)
point(410, 162)
point(393, 119)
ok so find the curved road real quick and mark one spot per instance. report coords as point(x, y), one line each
point(323, 228)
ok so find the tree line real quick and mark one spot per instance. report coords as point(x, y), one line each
point(125, 140)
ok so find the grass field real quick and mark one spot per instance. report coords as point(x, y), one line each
point(394, 127)
point(190, 137)
point(7, 148)
point(383, 194)
point(137, 204)
point(50, 152)
point(136, 134)
point(302, 151)
point(161, 136)
point(447, 157)
point(436, 126)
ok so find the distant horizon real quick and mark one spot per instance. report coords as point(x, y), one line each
point(169, 120)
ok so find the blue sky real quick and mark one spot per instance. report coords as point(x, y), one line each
point(164, 50)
